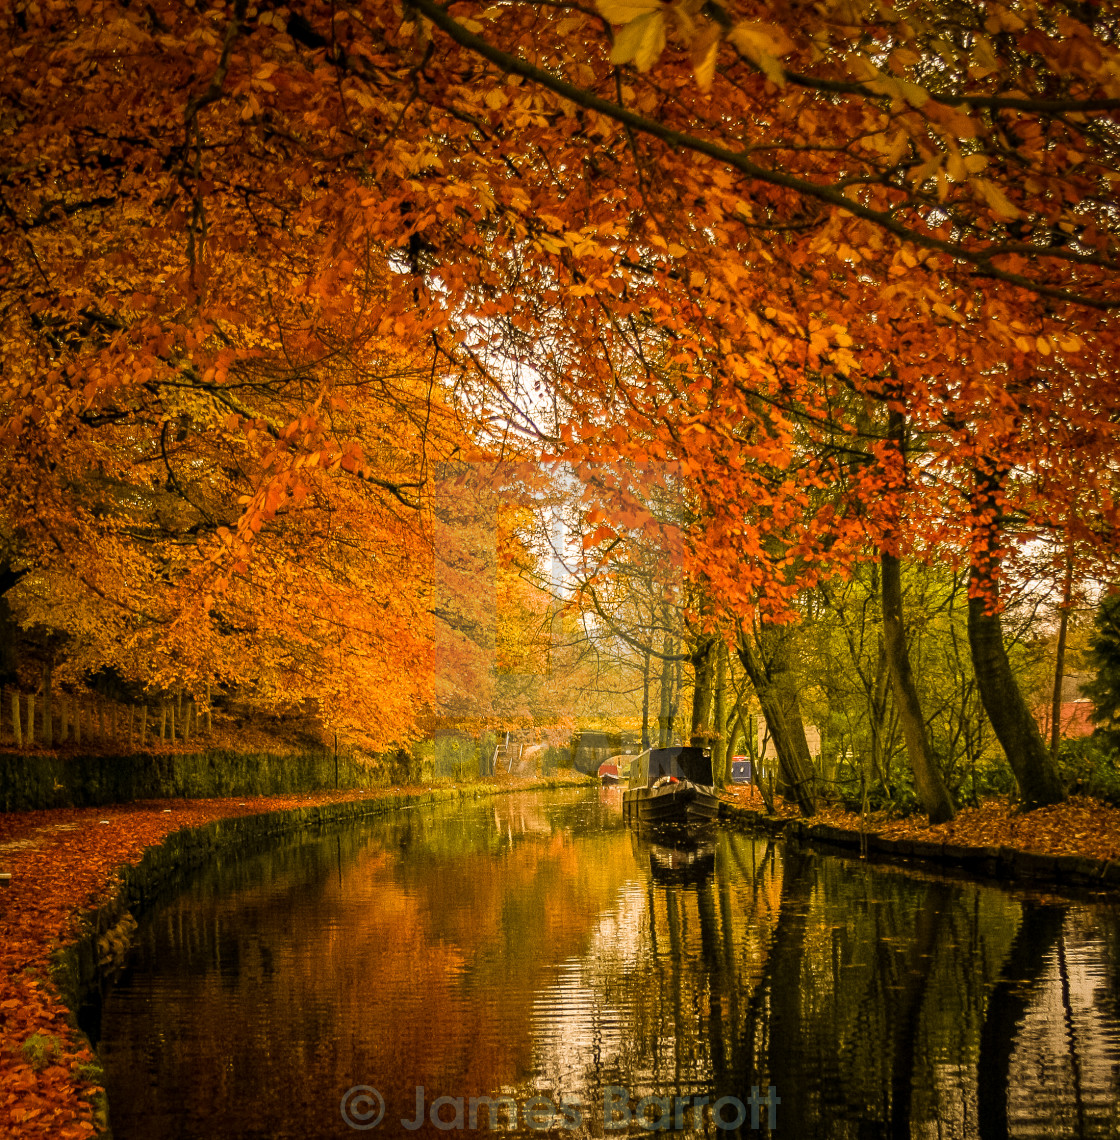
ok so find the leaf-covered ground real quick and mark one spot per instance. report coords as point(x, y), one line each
point(63, 862)
point(1080, 826)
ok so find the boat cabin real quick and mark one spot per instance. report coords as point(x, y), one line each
point(681, 763)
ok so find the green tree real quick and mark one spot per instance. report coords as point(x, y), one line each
point(1104, 656)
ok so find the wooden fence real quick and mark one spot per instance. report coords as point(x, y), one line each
point(49, 720)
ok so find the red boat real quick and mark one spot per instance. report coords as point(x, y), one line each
point(614, 771)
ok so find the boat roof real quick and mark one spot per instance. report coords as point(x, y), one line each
point(694, 764)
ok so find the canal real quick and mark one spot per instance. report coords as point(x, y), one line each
point(526, 961)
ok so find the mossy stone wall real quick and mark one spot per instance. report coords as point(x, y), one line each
point(31, 780)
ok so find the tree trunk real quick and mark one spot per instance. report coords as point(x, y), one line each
point(30, 718)
point(48, 719)
point(771, 677)
point(702, 664)
point(1060, 662)
point(932, 792)
point(63, 718)
point(720, 768)
point(665, 710)
point(17, 728)
point(1011, 719)
point(645, 701)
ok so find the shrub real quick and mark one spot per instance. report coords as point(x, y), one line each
point(41, 1050)
point(1091, 767)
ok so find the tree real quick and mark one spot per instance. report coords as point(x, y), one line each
point(387, 234)
point(1104, 655)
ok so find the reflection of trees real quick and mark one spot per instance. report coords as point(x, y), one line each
point(1007, 1005)
point(1050, 1045)
point(858, 992)
point(526, 945)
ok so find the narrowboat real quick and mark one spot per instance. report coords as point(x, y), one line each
point(671, 787)
point(614, 771)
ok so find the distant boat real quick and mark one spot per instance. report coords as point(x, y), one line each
point(671, 786)
point(614, 771)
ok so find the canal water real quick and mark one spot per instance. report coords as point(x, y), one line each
point(529, 963)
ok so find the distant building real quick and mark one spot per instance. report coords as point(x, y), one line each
point(1076, 710)
point(767, 751)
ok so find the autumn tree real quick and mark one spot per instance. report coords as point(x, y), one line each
point(704, 252)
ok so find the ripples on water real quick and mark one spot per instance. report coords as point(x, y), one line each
point(530, 945)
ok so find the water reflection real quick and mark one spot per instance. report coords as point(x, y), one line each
point(532, 946)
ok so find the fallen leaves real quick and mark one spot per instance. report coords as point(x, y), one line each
point(1080, 826)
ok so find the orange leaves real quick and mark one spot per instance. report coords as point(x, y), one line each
point(599, 535)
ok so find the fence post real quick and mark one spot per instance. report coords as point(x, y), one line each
point(48, 725)
point(17, 729)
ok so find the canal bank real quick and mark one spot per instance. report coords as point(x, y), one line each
point(66, 918)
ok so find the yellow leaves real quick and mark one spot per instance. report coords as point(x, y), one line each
point(892, 147)
point(920, 173)
point(949, 313)
point(626, 11)
point(959, 168)
point(1000, 19)
point(642, 37)
point(641, 41)
point(763, 44)
point(705, 50)
point(998, 202)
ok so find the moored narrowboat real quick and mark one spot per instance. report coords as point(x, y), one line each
point(671, 787)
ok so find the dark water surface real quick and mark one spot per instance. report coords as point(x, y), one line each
point(530, 946)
